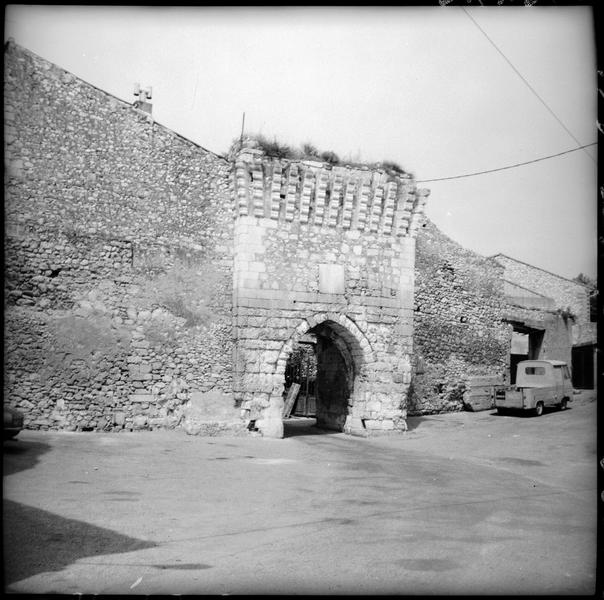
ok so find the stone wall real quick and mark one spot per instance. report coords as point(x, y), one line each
point(565, 293)
point(458, 312)
point(150, 283)
point(557, 330)
point(118, 262)
point(331, 248)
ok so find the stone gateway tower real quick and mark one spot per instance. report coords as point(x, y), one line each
point(327, 254)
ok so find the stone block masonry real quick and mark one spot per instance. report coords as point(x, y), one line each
point(295, 223)
point(313, 194)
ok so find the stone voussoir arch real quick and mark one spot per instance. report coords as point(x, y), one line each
point(360, 349)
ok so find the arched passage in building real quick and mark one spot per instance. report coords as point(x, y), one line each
point(324, 368)
point(526, 345)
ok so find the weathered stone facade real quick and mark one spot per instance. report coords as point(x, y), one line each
point(555, 312)
point(118, 260)
point(459, 332)
point(566, 295)
point(470, 312)
point(555, 331)
point(151, 283)
point(328, 251)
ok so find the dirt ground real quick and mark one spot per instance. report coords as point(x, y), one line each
point(463, 503)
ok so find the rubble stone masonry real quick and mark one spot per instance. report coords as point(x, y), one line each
point(150, 283)
point(564, 292)
point(118, 261)
point(459, 332)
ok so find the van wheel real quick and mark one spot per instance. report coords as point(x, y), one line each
point(539, 409)
point(564, 404)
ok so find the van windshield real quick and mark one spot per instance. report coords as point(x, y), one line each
point(533, 376)
point(534, 370)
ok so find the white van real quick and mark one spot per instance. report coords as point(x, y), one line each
point(539, 383)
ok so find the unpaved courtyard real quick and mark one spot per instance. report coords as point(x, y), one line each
point(470, 503)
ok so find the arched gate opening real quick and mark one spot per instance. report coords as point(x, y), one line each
point(323, 372)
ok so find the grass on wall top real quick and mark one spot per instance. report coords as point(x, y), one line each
point(308, 151)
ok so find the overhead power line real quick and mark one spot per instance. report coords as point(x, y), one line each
point(530, 87)
point(528, 162)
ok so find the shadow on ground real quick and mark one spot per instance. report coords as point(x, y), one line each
point(36, 541)
point(20, 456)
point(297, 426)
point(426, 420)
point(414, 422)
point(548, 411)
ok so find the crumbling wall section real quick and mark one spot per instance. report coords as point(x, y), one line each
point(118, 261)
point(458, 312)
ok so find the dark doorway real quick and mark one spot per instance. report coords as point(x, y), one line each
point(322, 365)
point(583, 367)
point(301, 368)
point(334, 381)
point(514, 360)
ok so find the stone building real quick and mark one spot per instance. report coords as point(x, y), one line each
point(476, 317)
point(551, 318)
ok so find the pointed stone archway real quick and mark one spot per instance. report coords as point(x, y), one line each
point(345, 358)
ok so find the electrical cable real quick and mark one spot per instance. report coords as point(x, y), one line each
point(528, 162)
point(527, 84)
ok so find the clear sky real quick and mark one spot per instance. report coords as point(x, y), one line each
point(442, 90)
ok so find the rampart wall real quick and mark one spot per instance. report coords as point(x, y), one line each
point(118, 261)
point(459, 332)
point(151, 283)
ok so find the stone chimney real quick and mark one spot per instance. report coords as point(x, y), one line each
point(143, 97)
